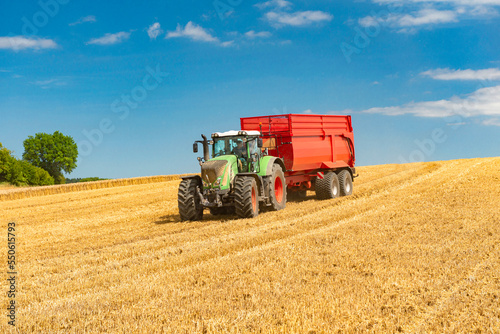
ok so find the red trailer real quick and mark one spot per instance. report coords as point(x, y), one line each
point(318, 150)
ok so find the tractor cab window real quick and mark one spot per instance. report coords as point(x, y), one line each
point(255, 155)
point(253, 147)
point(219, 147)
point(229, 145)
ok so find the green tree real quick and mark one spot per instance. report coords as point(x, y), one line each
point(53, 152)
point(21, 173)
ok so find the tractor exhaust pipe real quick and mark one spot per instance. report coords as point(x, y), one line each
point(206, 153)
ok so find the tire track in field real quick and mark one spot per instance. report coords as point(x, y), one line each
point(213, 256)
point(214, 261)
point(109, 300)
point(302, 210)
point(447, 297)
point(324, 228)
point(313, 208)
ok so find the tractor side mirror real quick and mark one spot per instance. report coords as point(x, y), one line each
point(259, 142)
point(195, 148)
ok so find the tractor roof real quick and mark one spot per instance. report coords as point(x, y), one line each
point(233, 133)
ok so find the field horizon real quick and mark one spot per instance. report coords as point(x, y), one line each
point(415, 249)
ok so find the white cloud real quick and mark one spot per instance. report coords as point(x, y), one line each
point(21, 43)
point(451, 2)
point(109, 39)
point(282, 4)
point(252, 34)
point(492, 122)
point(90, 18)
point(45, 84)
point(422, 17)
point(427, 16)
point(226, 44)
point(154, 30)
point(308, 111)
point(448, 74)
point(425, 13)
point(298, 19)
point(192, 31)
point(483, 102)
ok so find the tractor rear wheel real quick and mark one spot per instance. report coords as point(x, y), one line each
point(328, 187)
point(189, 202)
point(277, 190)
point(246, 197)
point(345, 183)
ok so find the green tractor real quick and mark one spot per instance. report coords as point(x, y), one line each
point(239, 178)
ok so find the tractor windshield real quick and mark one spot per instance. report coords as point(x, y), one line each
point(227, 145)
point(237, 145)
point(246, 150)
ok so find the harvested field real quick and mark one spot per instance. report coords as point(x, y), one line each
point(416, 249)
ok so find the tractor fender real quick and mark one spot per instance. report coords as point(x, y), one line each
point(187, 177)
point(272, 161)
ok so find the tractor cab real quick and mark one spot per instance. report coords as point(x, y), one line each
point(245, 145)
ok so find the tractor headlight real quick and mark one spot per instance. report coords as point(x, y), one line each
point(217, 182)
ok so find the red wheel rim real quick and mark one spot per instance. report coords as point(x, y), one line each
point(254, 200)
point(278, 189)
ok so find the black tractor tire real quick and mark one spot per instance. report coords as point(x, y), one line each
point(189, 203)
point(246, 197)
point(328, 187)
point(277, 189)
point(345, 183)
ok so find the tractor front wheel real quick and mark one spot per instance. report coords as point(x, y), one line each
point(190, 207)
point(246, 197)
point(277, 191)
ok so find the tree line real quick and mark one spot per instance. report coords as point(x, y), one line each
point(45, 158)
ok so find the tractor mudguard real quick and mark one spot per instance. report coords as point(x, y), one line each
point(266, 165)
point(186, 177)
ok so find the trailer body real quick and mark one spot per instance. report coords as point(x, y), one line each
point(308, 144)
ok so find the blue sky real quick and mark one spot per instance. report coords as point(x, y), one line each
point(135, 84)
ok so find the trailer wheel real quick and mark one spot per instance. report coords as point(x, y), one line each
point(190, 207)
point(328, 187)
point(277, 190)
point(246, 197)
point(345, 183)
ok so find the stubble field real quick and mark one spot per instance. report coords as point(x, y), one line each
point(416, 249)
